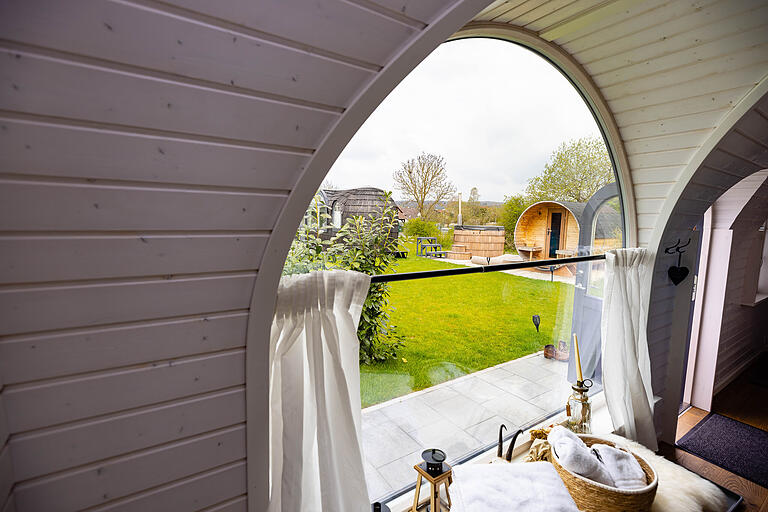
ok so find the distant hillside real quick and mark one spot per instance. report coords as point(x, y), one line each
point(441, 204)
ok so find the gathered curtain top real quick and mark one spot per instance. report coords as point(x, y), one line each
point(321, 290)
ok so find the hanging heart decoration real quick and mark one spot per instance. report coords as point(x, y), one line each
point(677, 274)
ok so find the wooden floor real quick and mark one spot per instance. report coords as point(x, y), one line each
point(741, 401)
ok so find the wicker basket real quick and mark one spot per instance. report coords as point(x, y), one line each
point(592, 496)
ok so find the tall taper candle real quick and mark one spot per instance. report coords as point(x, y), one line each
point(579, 376)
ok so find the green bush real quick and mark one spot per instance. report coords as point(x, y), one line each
point(446, 239)
point(419, 227)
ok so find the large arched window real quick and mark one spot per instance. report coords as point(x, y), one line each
point(461, 355)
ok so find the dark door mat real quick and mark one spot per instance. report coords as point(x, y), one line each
point(731, 445)
point(758, 371)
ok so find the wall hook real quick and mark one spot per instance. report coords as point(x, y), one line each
point(678, 273)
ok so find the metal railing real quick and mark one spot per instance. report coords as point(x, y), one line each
point(408, 276)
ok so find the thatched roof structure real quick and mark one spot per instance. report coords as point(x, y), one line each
point(354, 202)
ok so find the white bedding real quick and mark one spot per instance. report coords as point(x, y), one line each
point(529, 487)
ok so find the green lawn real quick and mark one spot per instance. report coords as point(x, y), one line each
point(461, 324)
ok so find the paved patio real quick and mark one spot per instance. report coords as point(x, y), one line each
point(530, 274)
point(457, 416)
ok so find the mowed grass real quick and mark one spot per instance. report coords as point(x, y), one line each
point(461, 324)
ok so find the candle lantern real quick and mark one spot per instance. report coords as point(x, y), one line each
point(434, 459)
point(438, 473)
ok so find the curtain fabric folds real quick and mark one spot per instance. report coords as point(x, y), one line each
point(626, 361)
point(316, 456)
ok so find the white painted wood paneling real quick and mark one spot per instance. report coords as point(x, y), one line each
point(422, 10)
point(73, 444)
point(77, 206)
point(32, 357)
point(35, 258)
point(327, 27)
point(7, 478)
point(10, 505)
point(237, 505)
point(32, 406)
point(180, 46)
point(121, 96)
point(41, 308)
point(4, 433)
point(85, 487)
point(191, 493)
point(83, 151)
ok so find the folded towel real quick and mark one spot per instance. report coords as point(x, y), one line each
point(622, 466)
point(574, 456)
point(522, 487)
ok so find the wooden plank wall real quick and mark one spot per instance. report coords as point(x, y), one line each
point(146, 151)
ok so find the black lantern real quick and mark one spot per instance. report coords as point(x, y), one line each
point(433, 459)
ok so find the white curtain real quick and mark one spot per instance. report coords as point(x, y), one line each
point(626, 363)
point(316, 456)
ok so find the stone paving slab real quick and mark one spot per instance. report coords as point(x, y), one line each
point(457, 416)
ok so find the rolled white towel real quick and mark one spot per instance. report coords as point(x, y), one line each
point(560, 432)
point(622, 466)
point(574, 456)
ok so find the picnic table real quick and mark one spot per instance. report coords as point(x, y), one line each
point(422, 242)
point(428, 246)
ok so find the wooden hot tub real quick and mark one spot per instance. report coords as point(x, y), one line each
point(484, 241)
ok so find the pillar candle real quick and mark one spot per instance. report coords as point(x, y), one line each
point(579, 376)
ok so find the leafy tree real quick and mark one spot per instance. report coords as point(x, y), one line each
point(425, 181)
point(511, 210)
point(420, 227)
point(575, 171)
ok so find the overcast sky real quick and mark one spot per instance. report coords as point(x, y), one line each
point(494, 110)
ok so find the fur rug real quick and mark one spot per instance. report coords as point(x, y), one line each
point(679, 490)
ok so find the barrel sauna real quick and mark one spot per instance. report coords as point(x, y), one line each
point(548, 230)
point(484, 241)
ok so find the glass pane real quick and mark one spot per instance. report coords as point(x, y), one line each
point(606, 235)
point(472, 359)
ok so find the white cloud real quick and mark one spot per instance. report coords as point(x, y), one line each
point(494, 110)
